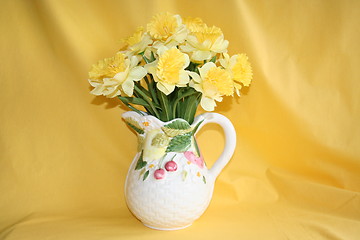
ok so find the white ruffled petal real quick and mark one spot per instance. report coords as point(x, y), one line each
point(165, 88)
point(183, 78)
point(128, 87)
point(137, 73)
point(201, 55)
point(207, 104)
point(195, 76)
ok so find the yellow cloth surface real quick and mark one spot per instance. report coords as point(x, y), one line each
point(64, 153)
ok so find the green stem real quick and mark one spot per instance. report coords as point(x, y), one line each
point(165, 107)
point(188, 94)
point(131, 107)
point(193, 102)
point(148, 100)
point(152, 89)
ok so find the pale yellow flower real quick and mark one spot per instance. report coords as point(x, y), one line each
point(169, 69)
point(112, 76)
point(204, 42)
point(239, 68)
point(138, 42)
point(213, 82)
point(168, 29)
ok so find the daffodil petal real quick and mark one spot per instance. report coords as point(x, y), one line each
point(207, 104)
point(97, 90)
point(183, 78)
point(201, 55)
point(204, 69)
point(165, 88)
point(121, 76)
point(128, 87)
point(194, 76)
point(137, 73)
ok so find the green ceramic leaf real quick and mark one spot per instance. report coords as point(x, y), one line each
point(134, 125)
point(204, 179)
point(146, 175)
point(140, 163)
point(179, 143)
point(178, 124)
point(141, 140)
point(177, 127)
point(141, 173)
point(174, 132)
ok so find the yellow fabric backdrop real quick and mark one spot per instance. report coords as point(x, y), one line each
point(64, 154)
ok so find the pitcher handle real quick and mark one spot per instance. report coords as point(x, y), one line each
point(230, 139)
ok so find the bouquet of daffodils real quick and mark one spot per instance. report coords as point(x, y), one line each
point(170, 67)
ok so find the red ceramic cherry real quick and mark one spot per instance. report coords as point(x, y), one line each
point(159, 174)
point(171, 166)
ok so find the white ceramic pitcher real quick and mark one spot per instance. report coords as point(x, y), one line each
point(168, 185)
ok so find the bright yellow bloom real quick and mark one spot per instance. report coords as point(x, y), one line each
point(193, 23)
point(204, 33)
point(112, 76)
point(213, 82)
point(169, 70)
point(138, 42)
point(205, 42)
point(108, 67)
point(167, 28)
point(217, 78)
point(240, 69)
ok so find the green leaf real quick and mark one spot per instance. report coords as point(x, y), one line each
point(177, 127)
point(144, 96)
point(129, 106)
point(204, 179)
point(141, 141)
point(174, 132)
point(134, 125)
point(152, 57)
point(180, 97)
point(213, 59)
point(140, 163)
point(197, 148)
point(197, 126)
point(178, 124)
point(152, 90)
point(134, 100)
point(179, 143)
point(146, 175)
point(164, 102)
point(192, 104)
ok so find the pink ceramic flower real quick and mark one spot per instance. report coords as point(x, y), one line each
point(194, 159)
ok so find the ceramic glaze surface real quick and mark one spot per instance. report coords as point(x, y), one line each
point(168, 185)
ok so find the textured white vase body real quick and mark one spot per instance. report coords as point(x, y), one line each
point(168, 185)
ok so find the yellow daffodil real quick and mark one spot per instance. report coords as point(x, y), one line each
point(175, 56)
point(193, 24)
point(167, 29)
point(169, 70)
point(239, 68)
point(213, 82)
point(112, 76)
point(204, 42)
point(138, 42)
